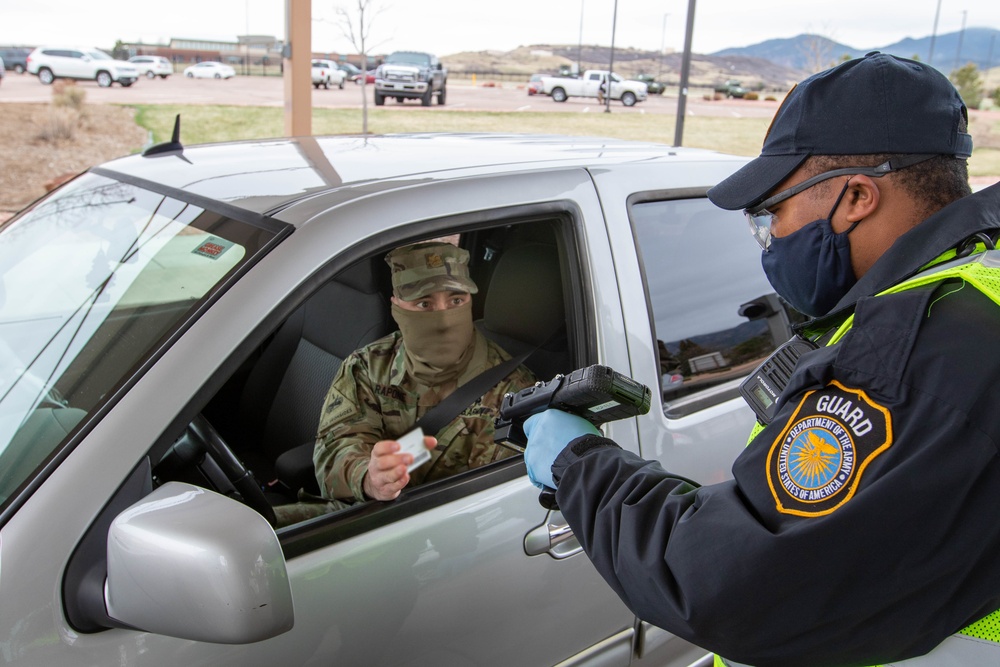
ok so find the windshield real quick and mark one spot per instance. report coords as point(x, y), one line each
point(93, 279)
point(402, 57)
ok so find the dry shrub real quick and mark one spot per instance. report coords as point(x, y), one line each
point(65, 93)
point(60, 124)
point(751, 96)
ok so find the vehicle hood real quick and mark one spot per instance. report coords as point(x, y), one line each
point(410, 69)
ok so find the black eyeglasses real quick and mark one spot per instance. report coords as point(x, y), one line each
point(760, 218)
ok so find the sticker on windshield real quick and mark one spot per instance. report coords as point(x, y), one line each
point(213, 248)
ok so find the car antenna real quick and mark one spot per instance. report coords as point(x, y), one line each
point(172, 147)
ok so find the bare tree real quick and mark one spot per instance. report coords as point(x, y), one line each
point(816, 50)
point(355, 23)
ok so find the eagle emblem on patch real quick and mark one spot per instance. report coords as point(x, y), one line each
point(433, 261)
point(815, 465)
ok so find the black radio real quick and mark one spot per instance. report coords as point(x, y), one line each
point(762, 387)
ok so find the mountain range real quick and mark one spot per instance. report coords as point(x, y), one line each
point(813, 52)
point(772, 65)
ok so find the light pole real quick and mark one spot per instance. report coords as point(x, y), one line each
point(685, 73)
point(961, 35)
point(611, 66)
point(246, 41)
point(579, 50)
point(663, 44)
point(930, 57)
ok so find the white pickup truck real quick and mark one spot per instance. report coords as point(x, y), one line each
point(562, 88)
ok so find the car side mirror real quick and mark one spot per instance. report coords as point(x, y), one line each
point(190, 563)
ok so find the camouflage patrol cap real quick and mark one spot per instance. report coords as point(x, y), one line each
point(424, 268)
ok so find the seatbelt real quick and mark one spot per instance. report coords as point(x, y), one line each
point(452, 406)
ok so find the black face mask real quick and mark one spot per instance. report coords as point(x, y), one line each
point(811, 267)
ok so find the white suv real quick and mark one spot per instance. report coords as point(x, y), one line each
point(152, 66)
point(56, 62)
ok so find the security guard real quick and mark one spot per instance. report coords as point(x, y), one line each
point(861, 524)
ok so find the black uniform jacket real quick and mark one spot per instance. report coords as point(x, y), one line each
point(863, 524)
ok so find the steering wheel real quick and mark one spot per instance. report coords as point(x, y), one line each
point(201, 439)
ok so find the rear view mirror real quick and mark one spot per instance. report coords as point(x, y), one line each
point(190, 563)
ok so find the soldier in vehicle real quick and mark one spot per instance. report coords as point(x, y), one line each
point(382, 389)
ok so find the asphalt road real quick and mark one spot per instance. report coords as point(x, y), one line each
point(269, 91)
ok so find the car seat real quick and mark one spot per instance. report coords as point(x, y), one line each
point(524, 308)
point(284, 392)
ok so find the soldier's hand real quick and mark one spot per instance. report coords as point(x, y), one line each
point(387, 473)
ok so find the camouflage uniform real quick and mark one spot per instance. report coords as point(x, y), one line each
point(373, 398)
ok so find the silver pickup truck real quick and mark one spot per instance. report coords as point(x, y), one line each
point(170, 323)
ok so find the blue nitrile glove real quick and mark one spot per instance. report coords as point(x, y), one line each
point(548, 434)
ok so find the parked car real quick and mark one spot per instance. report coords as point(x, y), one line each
point(152, 66)
point(731, 88)
point(352, 72)
point(561, 88)
point(535, 85)
point(209, 69)
point(169, 323)
point(411, 75)
point(653, 87)
point(56, 62)
point(15, 58)
point(2, 70)
point(370, 76)
point(326, 73)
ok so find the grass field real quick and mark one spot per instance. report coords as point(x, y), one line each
point(204, 124)
point(740, 136)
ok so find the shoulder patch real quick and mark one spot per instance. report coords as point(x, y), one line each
point(815, 464)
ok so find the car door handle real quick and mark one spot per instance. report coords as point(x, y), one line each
point(553, 537)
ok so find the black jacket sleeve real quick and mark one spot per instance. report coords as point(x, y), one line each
point(880, 560)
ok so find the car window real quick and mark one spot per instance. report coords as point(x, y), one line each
point(97, 275)
point(715, 315)
point(271, 404)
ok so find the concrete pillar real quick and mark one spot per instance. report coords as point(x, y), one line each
point(297, 64)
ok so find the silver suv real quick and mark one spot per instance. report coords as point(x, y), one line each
point(58, 62)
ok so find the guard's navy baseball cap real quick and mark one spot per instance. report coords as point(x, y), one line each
point(876, 104)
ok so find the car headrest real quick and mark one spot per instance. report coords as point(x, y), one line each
point(525, 300)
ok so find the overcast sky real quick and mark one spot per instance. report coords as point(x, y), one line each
point(450, 26)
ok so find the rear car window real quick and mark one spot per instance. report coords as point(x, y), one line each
point(715, 315)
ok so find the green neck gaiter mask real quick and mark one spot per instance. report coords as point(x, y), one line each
point(438, 344)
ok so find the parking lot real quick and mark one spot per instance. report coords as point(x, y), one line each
point(462, 96)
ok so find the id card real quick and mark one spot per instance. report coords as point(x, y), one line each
point(413, 443)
